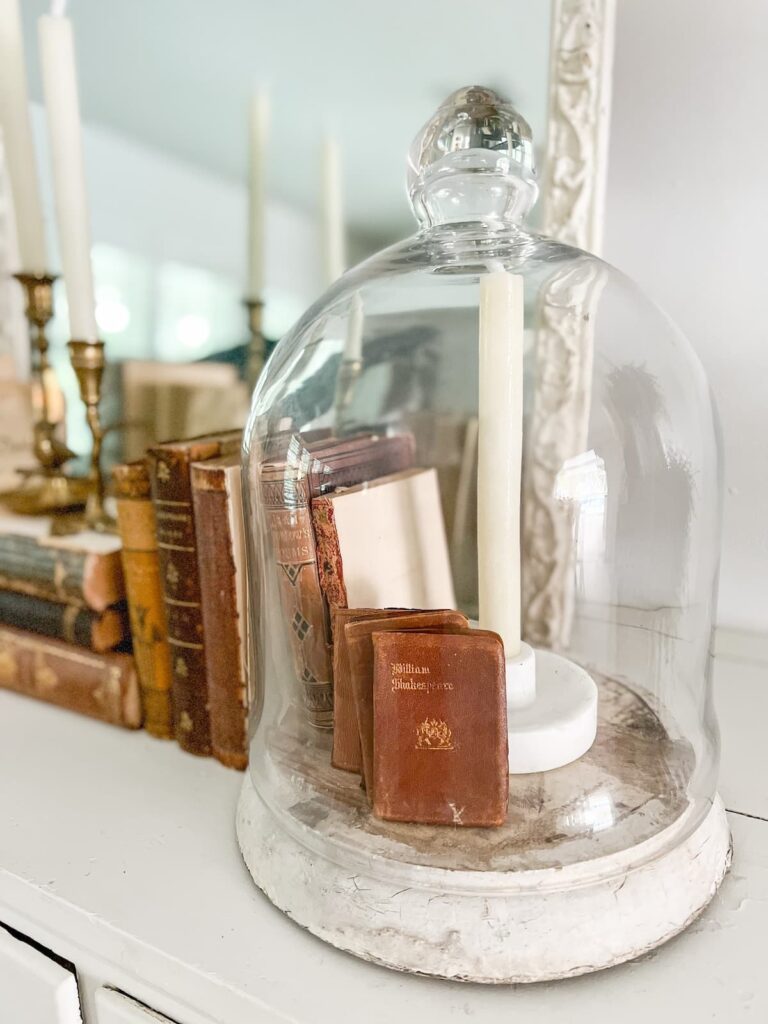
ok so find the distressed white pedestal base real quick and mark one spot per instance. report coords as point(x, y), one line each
point(487, 926)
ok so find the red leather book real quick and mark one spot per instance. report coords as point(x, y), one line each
point(440, 728)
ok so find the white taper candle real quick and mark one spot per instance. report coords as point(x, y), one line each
point(333, 212)
point(500, 449)
point(17, 141)
point(258, 135)
point(57, 61)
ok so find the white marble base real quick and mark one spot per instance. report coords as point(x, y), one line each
point(487, 926)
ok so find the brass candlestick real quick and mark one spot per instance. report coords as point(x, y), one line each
point(88, 362)
point(257, 346)
point(46, 488)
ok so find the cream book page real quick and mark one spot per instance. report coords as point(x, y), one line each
point(392, 542)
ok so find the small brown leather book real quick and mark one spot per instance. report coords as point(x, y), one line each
point(440, 728)
point(360, 647)
point(346, 734)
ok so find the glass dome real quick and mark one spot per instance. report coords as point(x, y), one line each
point(482, 419)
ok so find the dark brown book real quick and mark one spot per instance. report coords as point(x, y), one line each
point(98, 631)
point(217, 500)
point(177, 551)
point(287, 490)
point(440, 728)
point(103, 686)
point(82, 568)
point(136, 522)
point(360, 646)
point(347, 754)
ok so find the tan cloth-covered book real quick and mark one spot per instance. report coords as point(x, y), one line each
point(217, 500)
point(103, 686)
point(177, 548)
point(440, 728)
point(382, 544)
point(360, 645)
point(136, 522)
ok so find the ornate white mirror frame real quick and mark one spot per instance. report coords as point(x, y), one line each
point(575, 166)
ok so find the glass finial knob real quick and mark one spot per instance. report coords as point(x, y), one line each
point(473, 160)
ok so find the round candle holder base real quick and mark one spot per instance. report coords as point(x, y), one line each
point(551, 711)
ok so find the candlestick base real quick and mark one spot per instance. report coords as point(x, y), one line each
point(551, 711)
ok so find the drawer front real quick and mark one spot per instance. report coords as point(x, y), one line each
point(115, 1008)
point(35, 988)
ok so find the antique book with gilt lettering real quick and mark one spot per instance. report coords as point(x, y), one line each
point(177, 550)
point(440, 728)
point(360, 647)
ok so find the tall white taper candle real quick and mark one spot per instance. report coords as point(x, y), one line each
point(500, 450)
point(258, 134)
point(17, 141)
point(333, 212)
point(57, 61)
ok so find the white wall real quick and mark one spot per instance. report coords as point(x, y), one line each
point(162, 208)
point(687, 216)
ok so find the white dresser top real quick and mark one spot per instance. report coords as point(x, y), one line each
point(118, 852)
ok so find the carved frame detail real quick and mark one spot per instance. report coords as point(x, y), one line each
point(581, 59)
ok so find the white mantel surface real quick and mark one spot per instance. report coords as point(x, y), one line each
point(117, 852)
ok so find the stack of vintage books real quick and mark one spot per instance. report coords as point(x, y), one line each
point(113, 625)
point(64, 632)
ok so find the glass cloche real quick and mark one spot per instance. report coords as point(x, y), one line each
point(482, 483)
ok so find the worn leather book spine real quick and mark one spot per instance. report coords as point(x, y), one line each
point(360, 646)
point(224, 657)
point(136, 522)
point(92, 580)
point(177, 556)
point(440, 728)
point(329, 564)
point(103, 686)
point(98, 631)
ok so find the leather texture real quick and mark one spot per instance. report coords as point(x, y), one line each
point(360, 645)
point(440, 728)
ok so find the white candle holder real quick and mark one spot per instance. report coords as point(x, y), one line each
point(551, 711)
